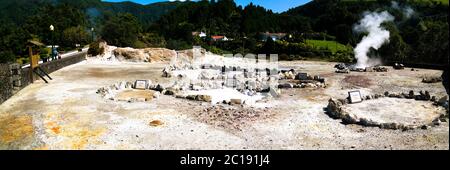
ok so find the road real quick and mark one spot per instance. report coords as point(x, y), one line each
point(70, 53)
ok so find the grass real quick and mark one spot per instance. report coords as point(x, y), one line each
point(333, 46)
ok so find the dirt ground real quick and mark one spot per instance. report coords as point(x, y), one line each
point(68, 114)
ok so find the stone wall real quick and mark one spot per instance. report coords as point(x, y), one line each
point(8, 79)
point(6, 87)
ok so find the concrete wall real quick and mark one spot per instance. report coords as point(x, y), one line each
point(8, 84)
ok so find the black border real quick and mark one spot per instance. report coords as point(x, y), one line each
point(278, 159)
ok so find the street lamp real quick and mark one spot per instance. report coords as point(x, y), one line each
point(52, 28)
point(92, 32)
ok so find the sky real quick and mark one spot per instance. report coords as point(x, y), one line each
point(274, 5)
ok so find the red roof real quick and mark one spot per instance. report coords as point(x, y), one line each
point(217, 37)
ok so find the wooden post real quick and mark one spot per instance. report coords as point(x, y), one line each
point(30, 53)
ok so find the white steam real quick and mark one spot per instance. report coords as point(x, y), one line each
point(377, 36)
point(407, 10)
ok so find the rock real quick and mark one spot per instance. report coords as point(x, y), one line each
point(286, 85)
point(274, 92)
point(191, 97)
point(380, 69)
point(289, 75)
point(167, 72)
point(156, 123)
point(129, 85)
point(205, 98)
point(236, 101)
point(395, 95)
point(389, 126)
point(411, 94)
point(181, 96)
point(436, 121)
point(159, 88)
point(346, 70)
point(424, 127)
point(427, 95)
point(144, 55)
point(169, 92)
point(349, 119)
point(386, 94)
point(334, 108)
point(340, 66)
point(343, 101)
point(443, 101)
point(434, 79)
point(156, 95)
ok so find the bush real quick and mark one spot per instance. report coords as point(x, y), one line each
point(95, 49)
point(178, 45)
point(342, 57)
point(7, 56)
point(44, 53)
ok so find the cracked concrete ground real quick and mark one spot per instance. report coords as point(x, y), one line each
point(68, 114)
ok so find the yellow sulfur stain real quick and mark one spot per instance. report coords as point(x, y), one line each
point(15, 128)
point(75, 132)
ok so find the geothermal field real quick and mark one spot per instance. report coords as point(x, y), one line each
point(164, 99)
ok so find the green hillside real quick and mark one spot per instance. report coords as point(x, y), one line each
point(333, 46)
point(18, 10)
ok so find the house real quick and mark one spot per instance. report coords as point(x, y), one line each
point(273, 36)
point(199, 34)
point(219, 38)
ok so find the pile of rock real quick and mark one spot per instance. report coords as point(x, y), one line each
point(284, 74)
point(346, 70)
point(334, 109)
point(112, 92)
point(303, 80)
point(432, 79)
point(376, 69)
point(204, 98)
point(144, 55)
point(341, 68)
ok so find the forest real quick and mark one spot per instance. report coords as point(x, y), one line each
point(319, 30)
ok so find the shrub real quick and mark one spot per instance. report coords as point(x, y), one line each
point(44, 53)
point(95, 49)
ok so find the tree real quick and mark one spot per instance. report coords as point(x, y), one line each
point(396, 49)
point(7, 56)
point(75, 35)
point(121, 30)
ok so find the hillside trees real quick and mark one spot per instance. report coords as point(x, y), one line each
point(121, 30)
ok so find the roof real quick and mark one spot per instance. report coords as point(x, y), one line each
point(36, 43)
point(217, 37)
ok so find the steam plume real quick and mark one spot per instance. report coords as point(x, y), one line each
point(376, 37)
point(407, 10)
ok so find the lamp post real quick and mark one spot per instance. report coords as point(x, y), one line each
point(52, 28)
point(92, 32)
